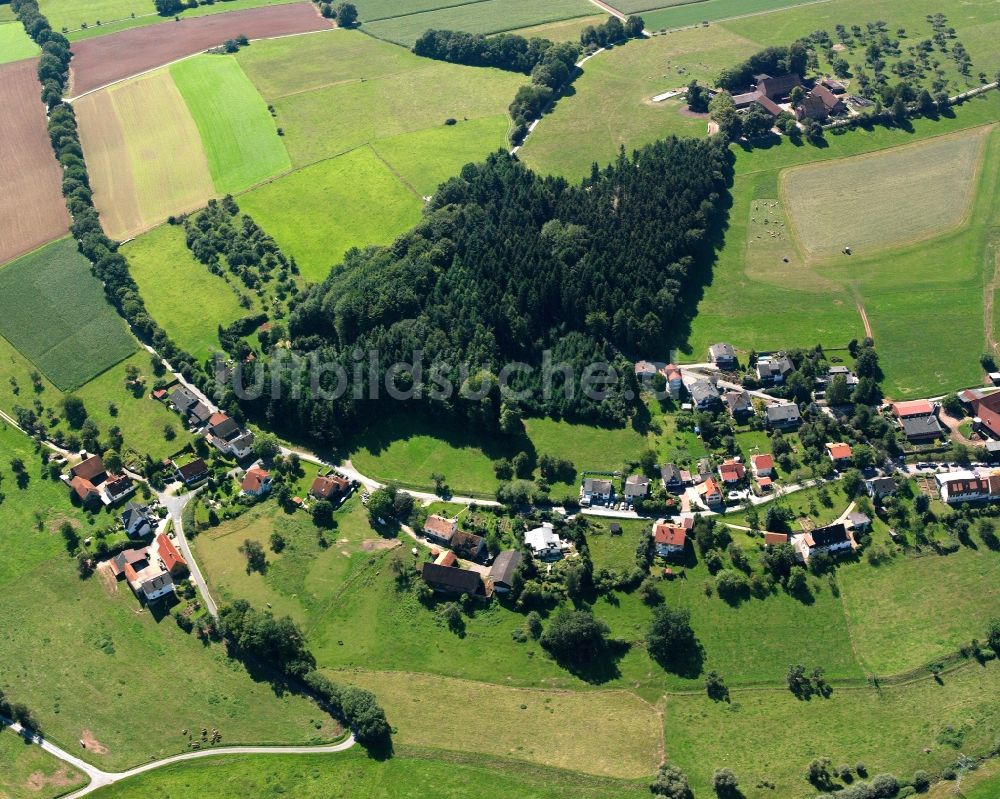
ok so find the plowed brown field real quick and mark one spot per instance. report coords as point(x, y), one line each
point(32, 211)
point(106, 59)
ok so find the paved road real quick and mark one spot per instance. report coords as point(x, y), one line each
point(101, 779)
point(175, 507)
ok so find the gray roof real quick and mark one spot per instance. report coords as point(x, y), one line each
point(597, 486)
point(859, 519)
point(882, 485)
point(670, 473)
point(227, 429)
point(449, 578)
point(783, 413)
point(504, 566)
point(722, 350)
point(703, 392)
point(738, 401)
point(182, 398)
point(920, 426)
point(201, 412)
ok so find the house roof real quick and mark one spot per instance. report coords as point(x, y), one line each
point(195, 468)
point(172, 559)
point(645, 368)
point(325, 486)
point(83, 487)
point(254, 479)
point(128, 556)
point(839, 451)
point(769, 105)
point(827, 536)
point(201, 412)
point(783, 413)
point(544, 537)
point(225, 428)
point(117, 485)
point(440, 527)
point(596, 486)
point(762, 461)
point(451, 578)
point(858, 519)
point(466, 544)
point(920, 426)
point(182, 398)
point(504, 566)
point(745, 99)
point(773, 539)
point(828, 98)
point(446, 558)
point(670, 473)
point(764, 482)
point(217, 418)
point(779, 86)
point(671, 372)
point(732, 471)
point(737, 401)
point(722, 350)
point(813, 107)
point(702, 392)
point(709, 487)
point(668, 534)
point(912, 408)
point(637, 480)
point(882, 485)
point(90, 469)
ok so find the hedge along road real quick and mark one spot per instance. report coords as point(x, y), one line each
point(102, 779)
point(108, 59)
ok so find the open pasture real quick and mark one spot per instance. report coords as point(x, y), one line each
point(54, 312)
point(318, 213)
point(566, 30)
point(488, 16)
point(29, 772)
point(553, 728)
point(681, 15)
point(15, 43)
point(181, 293)
point(144, 153)
point(32, 211)
point(372, 10)
point(72, 15)
point(106, 59)
point(354, 775)
point(237, 132)
point(884, 199)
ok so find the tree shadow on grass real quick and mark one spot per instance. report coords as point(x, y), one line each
point(602, 668)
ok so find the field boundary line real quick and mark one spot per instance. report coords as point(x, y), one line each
point(425, 11)
point(396, 174)
point(729, 19)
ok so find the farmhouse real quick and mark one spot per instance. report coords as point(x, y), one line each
point(668, 539)
point(439, 529)
point(985, 409)
point(840, 454)
point(782, 417)
point(329, 487)
point(192, 472)
point(833, 538)
point(704, 395)
point(738, 404)
point(544, 542)
point(146, 576)
point(90, 483)
point(170, 558)
point(672, 478)
point(137, 521)
point(503, 569)
point(455, 581)
point(820, 104)
point(468, 546)
point(723, 356)
point(228, 437)
point(636, 486)
point(256, 482)
point(594, 490)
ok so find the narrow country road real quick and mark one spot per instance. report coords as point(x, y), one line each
point(175, 506)
point(101, 779)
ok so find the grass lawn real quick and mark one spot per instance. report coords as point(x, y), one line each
point(15, 44)
point(144, 153)
point(371, 10)
point(884, 604)
point(771, 735)
point(615, 551)
point(29, 771)
point(932, 184)
point(567, 30)
point(96, 690)
point(553, 728)
point(305, 577)
point(182, 295)
point(353, 775)
point(611, 102)
point(318, 213)
point(54, 312)
point(487, 16)
point(237, 131)
point(801, 504)
point(679, 15)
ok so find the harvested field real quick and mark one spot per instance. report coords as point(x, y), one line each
point(144, 152)
point(32, 211)
point(106, 59)
point(843, 202)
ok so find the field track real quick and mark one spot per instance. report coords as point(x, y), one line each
point(106, 59)
point(32, 211)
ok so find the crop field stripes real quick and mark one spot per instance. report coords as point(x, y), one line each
point(425, 10)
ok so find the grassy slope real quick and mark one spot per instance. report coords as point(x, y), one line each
point(180, 293)
point(14, 43)
point(567, 30)
point(679, 16)
point(316, 214)
point(352, 775)
point(28, 771)
point(121, 659)
point(490, 16)
point(237, 131)
point(54, 311)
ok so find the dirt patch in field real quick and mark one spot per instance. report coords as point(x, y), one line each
point(57, 521)
point(376, 544)
point(684, 111)
point(91, 744)
point(108, 580)
point(106, 59)
point(32, 211)
point(62, 778)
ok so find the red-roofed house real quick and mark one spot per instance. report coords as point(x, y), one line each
point(256, 482)
point(675, 381)
point(329, 486)
point(762, 465)
point(669, 539)
point(440, 529)
point(773, 539)
point(732, 472)
point(86, 492)
point(710, 493)
point(905, 410)
point(840, 454)
point(169, 556)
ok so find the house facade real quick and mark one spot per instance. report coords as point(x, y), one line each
point(545, 543)
point(439, 529)
point(723, 356)
point(596, 490)
point(833, 539)
point(636, 486)
point(256, 482)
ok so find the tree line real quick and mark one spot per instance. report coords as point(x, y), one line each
point(774, 61)
point(506, 266)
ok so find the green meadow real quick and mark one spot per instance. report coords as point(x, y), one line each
point(27, 771)
point(53, 310)
point(680, 15)
point(237, 132)
point(182, 295)
point(15, 43)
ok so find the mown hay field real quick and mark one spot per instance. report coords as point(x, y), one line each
point(15, 43)
point(680, 15)
point(886, 198)
point(144, 153)
point(53, 310)
point(490, 16)
point(237, 131)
